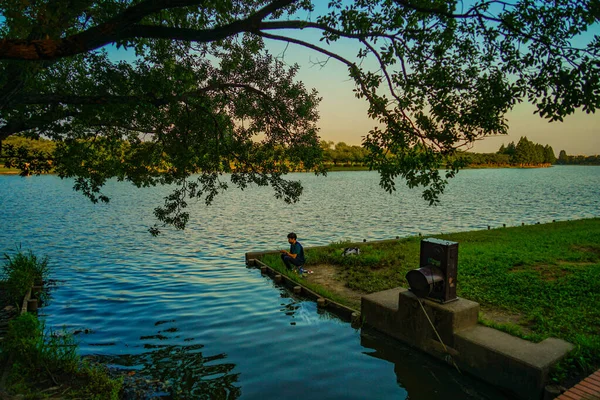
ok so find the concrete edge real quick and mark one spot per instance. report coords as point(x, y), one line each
point(346, 313)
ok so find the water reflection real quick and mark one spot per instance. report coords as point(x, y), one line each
point(424, 377)
point(173, 371)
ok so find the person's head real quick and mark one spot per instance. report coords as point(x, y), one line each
point(292, 237)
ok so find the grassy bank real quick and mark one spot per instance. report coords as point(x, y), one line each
point(538, 280)
point(8, 171)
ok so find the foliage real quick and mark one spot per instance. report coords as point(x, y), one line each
point(549, 274)
point(28, 155)
point(524, 154)
point(565, 159)
point(20, 271)
point(44, 360)
point(343, 154)
point(205, 96)
point(529, 153)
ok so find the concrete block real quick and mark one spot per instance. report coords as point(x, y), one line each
point(514, 364)
point(447, 318)
point(379, 310)
point(397, 313)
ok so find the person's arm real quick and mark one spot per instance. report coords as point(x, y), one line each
point(288, 253)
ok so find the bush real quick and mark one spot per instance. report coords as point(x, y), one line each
point(45, 359)
point(20, 271)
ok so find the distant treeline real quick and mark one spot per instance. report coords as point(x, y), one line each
point(523, 154)
point(565, 159)
point(341, 154)
point(42, 145)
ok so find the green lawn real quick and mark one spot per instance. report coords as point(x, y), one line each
point(7, 171)
point(548, 274)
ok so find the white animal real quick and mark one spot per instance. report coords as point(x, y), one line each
point(348, 251)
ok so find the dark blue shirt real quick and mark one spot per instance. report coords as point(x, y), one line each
point(297, 248)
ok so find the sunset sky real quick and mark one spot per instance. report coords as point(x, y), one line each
point(344, 117)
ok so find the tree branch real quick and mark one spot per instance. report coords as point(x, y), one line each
point(22, 125)
point(124, 26)
point(68, 99)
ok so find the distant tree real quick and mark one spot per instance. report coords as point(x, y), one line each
point(523, 151)
point(563, 158)
point(327, 147)
point(538, 154)
point(511, 149)
point(549, 156)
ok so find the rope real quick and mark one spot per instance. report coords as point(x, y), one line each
point(438, 336)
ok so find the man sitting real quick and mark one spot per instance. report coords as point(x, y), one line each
point(296, 254)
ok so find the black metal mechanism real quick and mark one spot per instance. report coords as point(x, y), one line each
point(436, 277)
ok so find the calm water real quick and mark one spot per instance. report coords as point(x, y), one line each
point(183, 308)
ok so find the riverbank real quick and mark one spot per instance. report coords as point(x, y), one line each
point(14, 171)
point(533, 282)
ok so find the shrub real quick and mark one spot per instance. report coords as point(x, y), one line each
point(20, 271)
point(44, 359)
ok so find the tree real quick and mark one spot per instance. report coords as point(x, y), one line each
point(206, 96)
point(549, 156)
point(563, 158)
point(511, 149)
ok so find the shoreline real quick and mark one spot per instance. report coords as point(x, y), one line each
point(5, 171)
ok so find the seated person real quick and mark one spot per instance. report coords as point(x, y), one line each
point(296, 254)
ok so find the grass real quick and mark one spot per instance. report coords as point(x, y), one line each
point(8, 171)
point(20, 271)
point(548, 275)
point(274, 261)
point(44, 363)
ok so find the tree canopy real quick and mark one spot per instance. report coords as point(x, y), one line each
point(205, 96)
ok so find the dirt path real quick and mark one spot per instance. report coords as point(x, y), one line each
point(327, 276)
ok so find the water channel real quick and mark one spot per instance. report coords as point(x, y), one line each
point(184, 310)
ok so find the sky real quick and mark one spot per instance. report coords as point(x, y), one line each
point(343, 118)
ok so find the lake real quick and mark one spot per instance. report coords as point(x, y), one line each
point(184, 311)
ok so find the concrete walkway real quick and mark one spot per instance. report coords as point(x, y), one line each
point(587, 389)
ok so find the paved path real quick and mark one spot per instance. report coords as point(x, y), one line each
point(587, 389)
